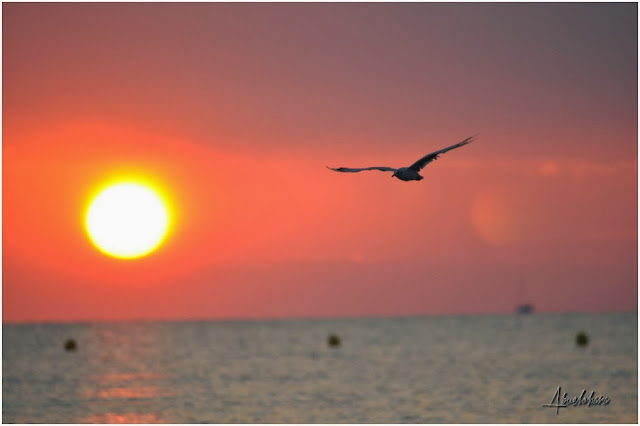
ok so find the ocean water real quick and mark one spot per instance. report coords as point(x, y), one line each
point(466, 369)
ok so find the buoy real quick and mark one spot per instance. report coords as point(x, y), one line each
point(70, 345)
point(582, 339)
point(334, 340)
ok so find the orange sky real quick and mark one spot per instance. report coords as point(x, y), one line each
point(235, 109)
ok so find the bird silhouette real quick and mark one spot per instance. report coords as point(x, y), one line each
point(411, 172)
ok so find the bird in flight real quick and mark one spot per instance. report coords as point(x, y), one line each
point(411, 172)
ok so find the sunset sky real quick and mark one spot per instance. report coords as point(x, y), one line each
point(234, 110)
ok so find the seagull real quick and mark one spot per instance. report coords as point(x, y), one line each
point(411, 172)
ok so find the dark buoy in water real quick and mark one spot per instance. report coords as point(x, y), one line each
point(582, 339)
point(334, 341)
point(70, 345)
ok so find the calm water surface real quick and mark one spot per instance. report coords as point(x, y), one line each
point(471, 369)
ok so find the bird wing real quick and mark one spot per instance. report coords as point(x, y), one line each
point(419, 165)
point(350, 170)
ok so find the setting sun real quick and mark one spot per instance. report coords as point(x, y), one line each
point(127, 220)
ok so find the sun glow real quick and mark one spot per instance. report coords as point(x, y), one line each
point(127, 220)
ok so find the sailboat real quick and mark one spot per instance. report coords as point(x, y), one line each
point(527, 308)
point(523, 308)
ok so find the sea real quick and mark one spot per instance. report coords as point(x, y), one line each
point(431, 369)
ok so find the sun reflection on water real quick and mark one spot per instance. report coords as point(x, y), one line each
point(128, 418)
point(107, 391)
point(127, 386)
